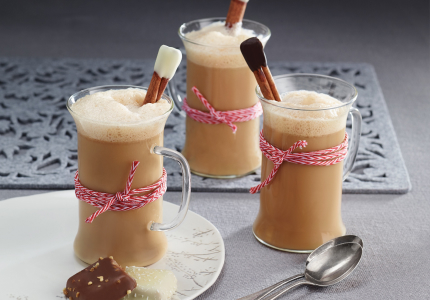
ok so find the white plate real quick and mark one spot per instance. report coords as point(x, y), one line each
point(36, 248)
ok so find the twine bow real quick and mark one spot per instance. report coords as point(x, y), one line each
point(219, 117)
point(324, 157)
point(120, 201)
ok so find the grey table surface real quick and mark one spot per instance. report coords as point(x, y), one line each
point(391, 35)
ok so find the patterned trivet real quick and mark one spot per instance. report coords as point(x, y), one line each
point(38, 143)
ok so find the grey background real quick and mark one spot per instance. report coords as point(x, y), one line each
point(391, 35)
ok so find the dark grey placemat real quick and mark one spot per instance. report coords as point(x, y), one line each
point(38, 136)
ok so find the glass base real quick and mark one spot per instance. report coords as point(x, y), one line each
point(282, 249)
point(224, 176)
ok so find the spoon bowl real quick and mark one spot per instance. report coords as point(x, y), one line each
point(328, 264)
point(334, 264)
point(334, 242)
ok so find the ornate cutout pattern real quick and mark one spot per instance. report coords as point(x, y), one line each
point(38, 141)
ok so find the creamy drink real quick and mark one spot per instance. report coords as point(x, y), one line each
point(114, 129)
point(300, 209)
point(216, 67)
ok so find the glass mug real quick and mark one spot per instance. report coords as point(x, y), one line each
point(300, 209)
point(221, 74)
point(134, 237)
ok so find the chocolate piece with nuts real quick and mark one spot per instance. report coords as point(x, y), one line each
point(104, 280)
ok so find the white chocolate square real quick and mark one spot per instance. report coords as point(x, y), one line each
point(152, 284)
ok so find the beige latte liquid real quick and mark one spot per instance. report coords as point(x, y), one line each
point(220, 73)
point(214, 149)
point(104, 167)
point(105, 155)
point(301, 207)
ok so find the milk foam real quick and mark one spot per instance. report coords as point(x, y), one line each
point(222, 49)
point(317, 120)
point(119, 115)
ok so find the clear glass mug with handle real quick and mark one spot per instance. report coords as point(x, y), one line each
point(221, 74)
point(300, 209)
point(106, 151)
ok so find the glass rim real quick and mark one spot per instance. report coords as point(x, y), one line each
point(76, 96)
point(183, 38)
point(274, 102)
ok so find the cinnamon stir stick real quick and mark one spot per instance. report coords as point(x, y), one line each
point(252, 51)
point(236, 11)
point(168, 60)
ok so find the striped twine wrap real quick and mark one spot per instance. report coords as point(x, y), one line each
point(121, 201)
point(219, 117)
point(325, 157)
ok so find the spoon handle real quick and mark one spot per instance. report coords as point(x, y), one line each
point(280, 293)
point(263, 293)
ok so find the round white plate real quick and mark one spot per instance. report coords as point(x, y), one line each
point(36, 248)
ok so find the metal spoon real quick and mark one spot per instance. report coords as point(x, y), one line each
point(326, 265)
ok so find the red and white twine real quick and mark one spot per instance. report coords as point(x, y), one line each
point(121, 201)
point(219, 117)
point(325, 157)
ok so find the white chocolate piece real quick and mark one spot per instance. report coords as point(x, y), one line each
point(152, 284)
point(168, 60)
point(245, 1)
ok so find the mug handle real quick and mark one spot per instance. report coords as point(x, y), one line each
point(174, 94)
point(186, 189)
point(177, 98)
point(354, 142)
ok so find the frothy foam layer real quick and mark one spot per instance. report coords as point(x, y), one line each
point(225, 52)
point(119, 116)
point(317, 120)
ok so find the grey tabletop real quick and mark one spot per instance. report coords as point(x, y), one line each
point(391, 35)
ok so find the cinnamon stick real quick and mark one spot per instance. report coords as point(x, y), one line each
point(236, 11)
point(263, 84)
point(271, 83)
point(152, 92)
point(161, 88)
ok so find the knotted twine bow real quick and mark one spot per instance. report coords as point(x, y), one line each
point(219, 117)
point(325, 157)
point(121, 201)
